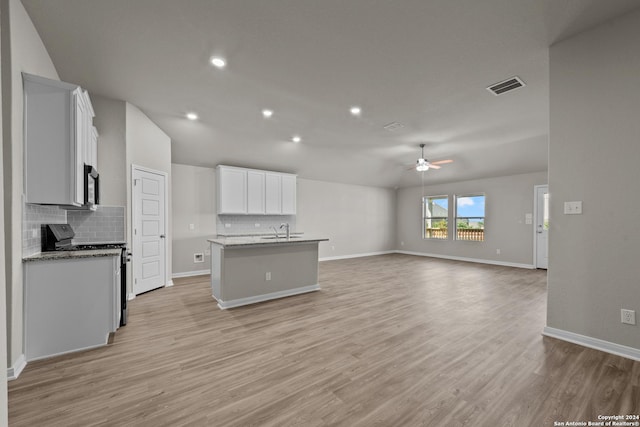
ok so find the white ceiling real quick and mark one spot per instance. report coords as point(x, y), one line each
point(422, 63)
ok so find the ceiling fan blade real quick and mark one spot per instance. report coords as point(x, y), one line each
point(442, 162)
point(432, 166)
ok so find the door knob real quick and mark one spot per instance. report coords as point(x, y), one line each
point(162, 236)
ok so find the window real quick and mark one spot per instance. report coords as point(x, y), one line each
point(435, 214)
point(470, 217)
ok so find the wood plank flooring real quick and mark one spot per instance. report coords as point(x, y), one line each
point(392, 340)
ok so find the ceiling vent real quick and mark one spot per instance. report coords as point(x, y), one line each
point(506, 86)
point(393, 126)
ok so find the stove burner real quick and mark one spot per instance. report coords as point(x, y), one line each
point(93, 247)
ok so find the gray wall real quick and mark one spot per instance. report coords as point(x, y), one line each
point(356, 219)
point(26, 53)
point(508, 199)
point(194, 202)
point(3, 284)
point(148, 146)
point(594, 268)
point(110, 120)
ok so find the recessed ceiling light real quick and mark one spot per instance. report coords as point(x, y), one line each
point(192, 116)
point(355, 110)
point(266, 113)
point(218, 62)
point(296, 139)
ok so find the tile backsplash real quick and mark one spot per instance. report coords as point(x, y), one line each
point(33, 217)
point(246, 224)
point(105, 224)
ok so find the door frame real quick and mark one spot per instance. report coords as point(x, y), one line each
point(535, 222)
point(134, 237)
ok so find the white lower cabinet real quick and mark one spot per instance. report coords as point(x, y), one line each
point(70, 304)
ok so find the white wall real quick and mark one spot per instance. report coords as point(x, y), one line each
point(194, 202)
point(26, 54)
point(508, 199)
point(150, 147)
point(594, 268)
point(356, 219)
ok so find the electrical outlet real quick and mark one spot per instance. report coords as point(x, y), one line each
point(257, 225)
point(192, 226)
point(628, 316)
point(573, 208)
point(401, 243)
point(34, 233)
point(227, 226)
point(267, 276)
point(199, 257)
point(497, 251)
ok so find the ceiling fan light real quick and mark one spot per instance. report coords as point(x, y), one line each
point(422, 167)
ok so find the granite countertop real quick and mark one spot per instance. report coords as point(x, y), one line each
point(45, 256)
point(258, 233)
point(253, 240)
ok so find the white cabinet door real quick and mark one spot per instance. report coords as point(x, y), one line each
point(94, 148)
point(232, 190)
point(255, 192)
point(69, 305)
point(81, 145)
point(288, 194)
point(273, 193)
point(58, 121)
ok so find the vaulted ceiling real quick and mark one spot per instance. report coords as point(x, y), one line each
point(424, 64)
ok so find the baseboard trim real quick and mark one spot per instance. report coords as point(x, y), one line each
point(190, 273)
point(223, 305)
point(14, 371)
point(169, 284)
point(76, 350)
point(476, 260)
point(333, 258)
point(594, 343)
point(131, 296)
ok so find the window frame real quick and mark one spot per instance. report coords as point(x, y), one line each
point(456, 217)
point(435, 218)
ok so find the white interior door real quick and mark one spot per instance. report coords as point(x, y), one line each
point(542, 226)
point(149, 238)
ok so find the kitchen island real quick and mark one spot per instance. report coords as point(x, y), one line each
point(250, 269)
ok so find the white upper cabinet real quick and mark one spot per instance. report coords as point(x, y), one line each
point(232, 190)
point(58, 122)
point(255, 192)
point(273, 193)
point(288, 194)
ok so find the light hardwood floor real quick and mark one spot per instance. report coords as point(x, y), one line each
point(392, 340)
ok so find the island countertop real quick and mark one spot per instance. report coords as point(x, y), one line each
point(248, 241)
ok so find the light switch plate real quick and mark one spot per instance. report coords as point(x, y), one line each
point(528, 218)
point(573, 208)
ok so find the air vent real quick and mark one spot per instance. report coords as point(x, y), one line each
point(505, 86)
point(393, 126)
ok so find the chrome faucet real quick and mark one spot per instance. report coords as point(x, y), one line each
point(286, 225)
point(275, 231)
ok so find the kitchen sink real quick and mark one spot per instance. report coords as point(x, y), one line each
point(284, 238)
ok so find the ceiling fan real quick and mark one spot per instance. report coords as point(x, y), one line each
point(423, 165)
